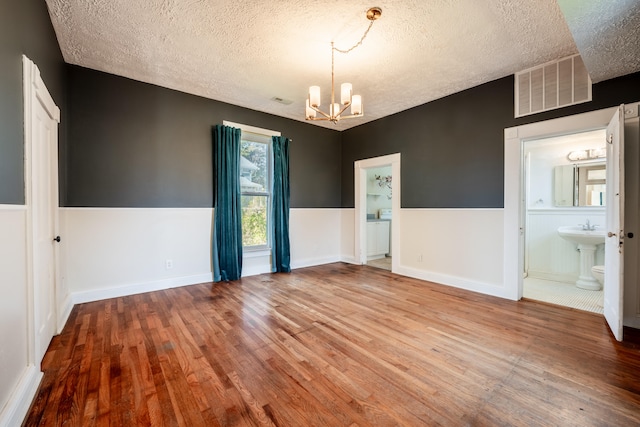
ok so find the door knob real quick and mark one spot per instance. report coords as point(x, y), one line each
point(610, 234)
point(57, 239)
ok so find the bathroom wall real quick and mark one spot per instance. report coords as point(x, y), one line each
point(378, 197)
point(548, 256)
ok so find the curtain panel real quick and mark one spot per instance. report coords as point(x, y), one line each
point(280, 250)
point(227, 231)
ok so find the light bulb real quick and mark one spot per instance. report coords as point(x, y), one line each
point(314, 96)
point(345, 93)
point(356, 105)
point(311, 113)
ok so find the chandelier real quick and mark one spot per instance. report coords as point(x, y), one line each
point(347, 99)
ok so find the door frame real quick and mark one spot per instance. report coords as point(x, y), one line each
point(514, 181)
point(360, 183)
point(35, 91)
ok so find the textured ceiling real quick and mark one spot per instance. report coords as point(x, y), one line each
point(246, 52)
point(607, 34)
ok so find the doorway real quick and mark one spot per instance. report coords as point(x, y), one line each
point(558, 194)
point(371, 230)
point(379, 217)
point(514, 221)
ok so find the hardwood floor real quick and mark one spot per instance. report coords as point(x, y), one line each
point(334, 345)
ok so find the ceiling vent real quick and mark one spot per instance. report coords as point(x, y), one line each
point(553, 85)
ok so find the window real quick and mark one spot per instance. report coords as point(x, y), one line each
point(255, 185)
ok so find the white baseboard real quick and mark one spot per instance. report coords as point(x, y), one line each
point(349, 259)
point(566, 278)
point(64, 311)
point(16, 408)
point(255, 270)
point(456, 282)
point(138, 288)
point(310, 262)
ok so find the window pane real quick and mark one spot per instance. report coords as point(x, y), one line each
point(254, 220)
point(253, 167)
point(597, 174)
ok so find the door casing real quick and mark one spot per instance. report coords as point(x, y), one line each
point(37, 96)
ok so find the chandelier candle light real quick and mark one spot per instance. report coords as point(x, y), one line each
point(346, 90)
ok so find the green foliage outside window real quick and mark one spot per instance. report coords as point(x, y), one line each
point(255, 194)
point(254, 221)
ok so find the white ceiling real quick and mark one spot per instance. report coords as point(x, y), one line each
point(246, 52)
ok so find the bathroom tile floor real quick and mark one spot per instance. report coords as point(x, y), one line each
point(566, 294)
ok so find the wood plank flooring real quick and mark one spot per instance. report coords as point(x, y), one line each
point(334, 345)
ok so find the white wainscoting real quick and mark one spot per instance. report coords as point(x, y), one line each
point(18, 379)
point(315, 236)
point(112, 252)
point(456, 247)
point(547, 255)
point(347, 236)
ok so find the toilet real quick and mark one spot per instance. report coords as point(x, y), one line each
point(597, 271)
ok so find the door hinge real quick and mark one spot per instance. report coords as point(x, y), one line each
point(610, 139)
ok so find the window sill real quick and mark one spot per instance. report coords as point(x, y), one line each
point(256, 253)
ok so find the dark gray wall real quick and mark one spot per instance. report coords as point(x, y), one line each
point(452, 149)
point(133, 144)
point(25, 28)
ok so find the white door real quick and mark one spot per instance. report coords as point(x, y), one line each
point(613, 274)
point(42, 117)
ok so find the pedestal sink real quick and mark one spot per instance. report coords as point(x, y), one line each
point(587, 240)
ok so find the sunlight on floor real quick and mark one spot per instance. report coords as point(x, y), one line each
point(384, 263)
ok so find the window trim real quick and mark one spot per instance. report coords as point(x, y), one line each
point(257, 249)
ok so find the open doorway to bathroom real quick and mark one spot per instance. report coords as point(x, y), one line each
point(565, 192)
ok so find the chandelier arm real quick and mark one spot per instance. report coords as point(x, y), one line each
point(350, 116)
point(343, 108)
point(317, 110)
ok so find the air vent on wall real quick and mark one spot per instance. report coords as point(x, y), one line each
point(553, 85)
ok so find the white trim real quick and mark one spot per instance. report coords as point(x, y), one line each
point(15, 410)
point(74, 208)
point(139, 288)
point(456, 282)
point(27, 70)
point(310, 262)
point(34, 90)
point(64, 311)
point(256, 253)
point(252, 129)
point(452, 209)
point(349, 259)
point(13, 207)
point(360, 182)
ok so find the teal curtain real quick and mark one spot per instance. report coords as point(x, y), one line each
point(281, 256)
point(227, 228)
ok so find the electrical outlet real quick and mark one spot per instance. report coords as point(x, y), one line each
point(168, 264)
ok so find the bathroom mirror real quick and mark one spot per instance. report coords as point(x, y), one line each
point(580, 184)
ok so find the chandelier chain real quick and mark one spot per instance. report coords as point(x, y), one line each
point(357, 44)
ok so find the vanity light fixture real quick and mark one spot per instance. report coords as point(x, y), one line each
point(592, 154)
point(346, 90)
